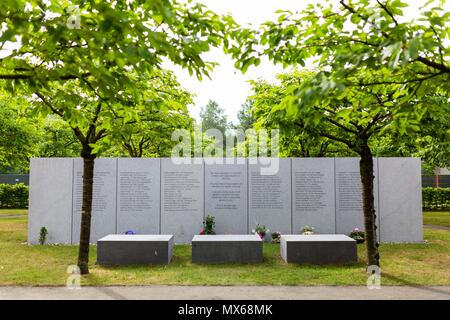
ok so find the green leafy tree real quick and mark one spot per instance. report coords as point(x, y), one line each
point(79, 60)
point(18, 139)
point(245, 116)
point(213, 117)
point(294, 139)
point(57, 139)
point(431, 142)
point(355, 117)
point(363, 47)
point(164, 111)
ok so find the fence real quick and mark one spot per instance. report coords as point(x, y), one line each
point(430, 181)
point(14, 179)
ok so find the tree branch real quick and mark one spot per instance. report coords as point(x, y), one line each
point(384, 6)
point(29, 76)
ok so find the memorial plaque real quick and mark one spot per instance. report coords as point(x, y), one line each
point(226, 196)
point(349, 210)
point(138, 195)
point(182, 198)
point(400, 200)
point(103, 202)
point(50, 203)
point(313, 202)
point(270, 196)
point(161, 196)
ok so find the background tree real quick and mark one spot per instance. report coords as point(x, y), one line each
point(96, 49)
point(430, 142)
point(213, 116)
point(57, 139)
point(245, 116)
point(163, 111)
point(18, 139)
point(294, 139)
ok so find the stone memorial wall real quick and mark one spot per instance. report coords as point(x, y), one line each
point(160, 196)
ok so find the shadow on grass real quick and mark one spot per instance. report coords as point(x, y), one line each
point(412, 284)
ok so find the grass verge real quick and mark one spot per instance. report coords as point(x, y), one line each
point(402, 264)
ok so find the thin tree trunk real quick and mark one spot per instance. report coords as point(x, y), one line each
point(366, 172)
point(86, 209)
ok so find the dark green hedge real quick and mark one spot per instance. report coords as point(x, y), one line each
point(436, 199)
point(13, 196)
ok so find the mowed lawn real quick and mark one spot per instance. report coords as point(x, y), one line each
point(402, 264)
point(437, 218)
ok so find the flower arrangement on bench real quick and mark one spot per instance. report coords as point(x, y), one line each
point(307, 230)
point(260, 230)
point(208, 225)
point(358, 235)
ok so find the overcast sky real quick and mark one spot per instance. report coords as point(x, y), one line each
point(227, 85)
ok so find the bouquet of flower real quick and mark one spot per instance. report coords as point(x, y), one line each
point(307, 230)
point(260, 230)
point(208, 225)
point(276, 236)
point(358, 235)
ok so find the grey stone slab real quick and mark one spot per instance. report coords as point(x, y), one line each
point(400, 200)
point(313, 194)
point(270, 195)
point(226, 196)
point(103, 202)
point(349, 211)
point(138, 195)
point(182, 197)
point(50, 199)
point(318, 249)
point(134, 249)
point(227, 249)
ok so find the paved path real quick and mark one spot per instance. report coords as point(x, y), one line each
point(12, 215)
point(430, 226)
point(231, 292)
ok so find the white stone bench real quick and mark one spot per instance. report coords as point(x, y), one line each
point(227, 249)
point(318, 249)
point(122, 249)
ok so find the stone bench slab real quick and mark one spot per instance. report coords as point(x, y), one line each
point(318, 249)
point(227, 249)
point(119, 249)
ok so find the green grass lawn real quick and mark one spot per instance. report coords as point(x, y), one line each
point(402, 264)
point(437, 218)
point(13, 211)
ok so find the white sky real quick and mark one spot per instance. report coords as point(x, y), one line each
point(227, 85)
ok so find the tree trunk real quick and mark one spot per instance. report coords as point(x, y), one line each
point(366, 172)
point(86, 209)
